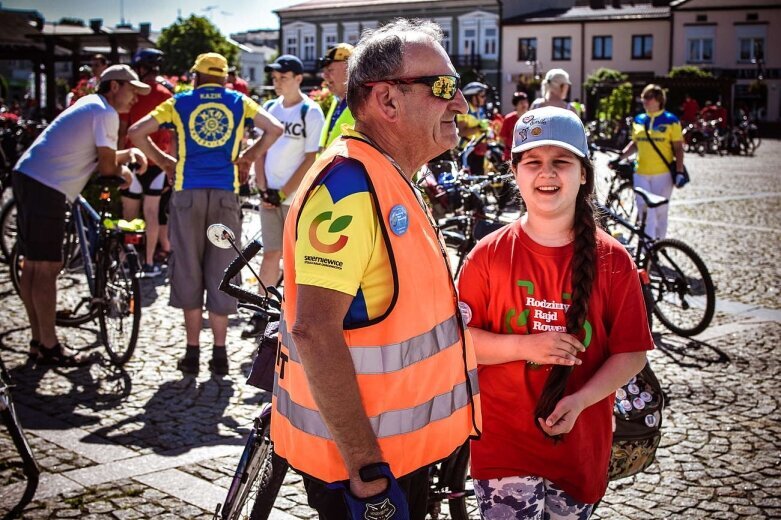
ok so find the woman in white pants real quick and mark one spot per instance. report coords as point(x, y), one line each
point(653, 173)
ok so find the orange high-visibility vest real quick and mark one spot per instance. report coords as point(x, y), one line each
point(415, 365)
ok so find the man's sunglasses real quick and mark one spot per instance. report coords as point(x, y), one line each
point(444, 87)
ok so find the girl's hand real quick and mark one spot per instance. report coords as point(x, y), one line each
point(563, 417)
point(555, 348)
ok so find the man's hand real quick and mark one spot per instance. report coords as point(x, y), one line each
point(555, 348)
point(375, 494)
point(168, 165)
point(244, 162)
point(563, 417)
point(127, 175)
point(136, 156)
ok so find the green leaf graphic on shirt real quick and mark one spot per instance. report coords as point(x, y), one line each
point(340, 223)
point(521, 321)
point(566, 296)
point(528, 284)
point(588, 331)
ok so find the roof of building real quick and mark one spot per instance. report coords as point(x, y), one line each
point(582, 13)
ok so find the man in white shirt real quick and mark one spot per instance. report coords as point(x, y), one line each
point(279, 172)
point(54, 169)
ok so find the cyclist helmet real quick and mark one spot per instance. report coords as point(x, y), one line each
point(474, 88)
point(148, 58)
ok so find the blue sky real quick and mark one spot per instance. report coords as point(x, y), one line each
point(228, 15)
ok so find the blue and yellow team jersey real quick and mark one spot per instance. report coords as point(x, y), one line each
point(664, 128)
point(340, 245)
point(209, 122)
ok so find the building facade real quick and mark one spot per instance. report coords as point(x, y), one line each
point(471, 29)
point(734, 40)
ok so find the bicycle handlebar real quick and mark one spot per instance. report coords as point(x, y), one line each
point(254, 299)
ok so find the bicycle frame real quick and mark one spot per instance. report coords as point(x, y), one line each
point(86, 241)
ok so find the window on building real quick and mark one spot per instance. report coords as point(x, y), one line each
point(751, 49)
point(291, 45)
point(329, 35)
point(490, 41)
point(309, 47)
point(352, 32)
point(446, 24)
point(699, 50)
point(470, 41)
point(602, 48)
point(562, 48)
point(446, 40)
point(251, 74)
point(527, 49)
point(642, 47)
point(702, 18)
point(330, 41)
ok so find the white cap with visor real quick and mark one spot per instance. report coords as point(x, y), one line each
point(550, 126)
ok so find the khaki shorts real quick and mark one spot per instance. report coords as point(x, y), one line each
point(195, 264)
point(272, 224)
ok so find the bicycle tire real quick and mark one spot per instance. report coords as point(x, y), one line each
point(463, 505)
point(7, 229)
point(623, 201)
point(272, 474)
point(29, 465)
point(678, 289)
point(74, 307)
point(119, 310)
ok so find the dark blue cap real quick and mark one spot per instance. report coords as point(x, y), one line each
point(286, 63)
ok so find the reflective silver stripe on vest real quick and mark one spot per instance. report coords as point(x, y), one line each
point(387, 424)
point(396, 356)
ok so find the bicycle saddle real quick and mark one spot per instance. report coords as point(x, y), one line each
point(651, 200)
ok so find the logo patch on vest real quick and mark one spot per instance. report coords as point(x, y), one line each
point(382, 511)
point(398, 219)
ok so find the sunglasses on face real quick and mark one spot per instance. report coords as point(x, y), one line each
point(444, 87)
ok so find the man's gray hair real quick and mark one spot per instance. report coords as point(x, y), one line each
point(379, 55)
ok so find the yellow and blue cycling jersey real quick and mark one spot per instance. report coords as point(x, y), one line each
point(209, 122)
point(340, 245)
point(664, 128)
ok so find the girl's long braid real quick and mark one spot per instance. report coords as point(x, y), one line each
point(584, 266)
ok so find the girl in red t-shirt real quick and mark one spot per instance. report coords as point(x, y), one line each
point(558, 321)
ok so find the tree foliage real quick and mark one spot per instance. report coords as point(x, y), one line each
point(688, 71)
point(184, 40)
point(605, 75)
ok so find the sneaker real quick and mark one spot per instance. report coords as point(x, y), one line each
point(219, 366)
point(60, 356)
point(151, 271)
point(255, 326)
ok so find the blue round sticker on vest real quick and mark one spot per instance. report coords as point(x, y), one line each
point(398, 219)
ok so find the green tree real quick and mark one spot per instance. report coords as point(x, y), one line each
point(184, 40)
point(688, 71)
point(605, 75)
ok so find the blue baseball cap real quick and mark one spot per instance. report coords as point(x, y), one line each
point(286, 63)
point(550, 126)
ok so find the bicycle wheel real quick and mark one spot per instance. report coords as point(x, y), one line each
point(462, 502)
point(684, 298)
point(623, 202)
point(7, 229)
point(257, 479)
point(29, 465)
point(119, 310)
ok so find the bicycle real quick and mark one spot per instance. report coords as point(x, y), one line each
point(260, 473)
point(681, 293)
point(99, 275)
point(11, 421)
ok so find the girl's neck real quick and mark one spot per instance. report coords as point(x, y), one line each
point(549, 232)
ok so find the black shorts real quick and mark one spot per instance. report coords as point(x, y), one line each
point(151, 182)
point(165, 200)
point(40, 213)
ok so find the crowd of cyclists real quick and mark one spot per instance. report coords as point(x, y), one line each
point(178, 144)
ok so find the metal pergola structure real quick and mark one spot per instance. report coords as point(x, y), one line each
point(25, 35)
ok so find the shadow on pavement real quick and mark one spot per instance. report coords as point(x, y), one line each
point(690, 353)
point(179, 415)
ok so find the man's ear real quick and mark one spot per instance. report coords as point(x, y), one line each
point(386, 101)
point(115, 86)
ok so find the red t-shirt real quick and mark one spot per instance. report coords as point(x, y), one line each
point(506, 132)
point(239, 86)
point(516, 286)
point(143, 106)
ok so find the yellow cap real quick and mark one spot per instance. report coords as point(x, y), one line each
point(212, 64)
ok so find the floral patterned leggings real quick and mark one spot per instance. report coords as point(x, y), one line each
point(527, 498)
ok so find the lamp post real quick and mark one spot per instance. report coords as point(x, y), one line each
point(533, 63)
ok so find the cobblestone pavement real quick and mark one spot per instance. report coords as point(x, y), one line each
point(146, 443)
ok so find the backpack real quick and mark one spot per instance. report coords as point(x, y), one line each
point(638, 417)
point(304, 109)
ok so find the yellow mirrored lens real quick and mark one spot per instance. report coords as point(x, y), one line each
point(444, 87)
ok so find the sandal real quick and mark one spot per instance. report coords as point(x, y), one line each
point(60, 356)
point(35, 350)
